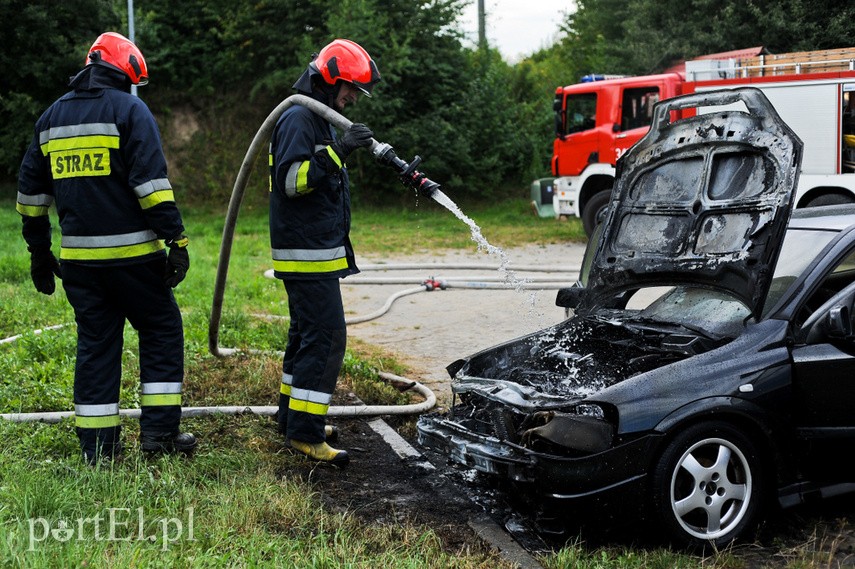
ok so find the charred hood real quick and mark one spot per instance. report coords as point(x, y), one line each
point(701, 201)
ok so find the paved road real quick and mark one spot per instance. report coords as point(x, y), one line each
point(429, 330)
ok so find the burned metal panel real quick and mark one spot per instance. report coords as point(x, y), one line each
point(703, 201)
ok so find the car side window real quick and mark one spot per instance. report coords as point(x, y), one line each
point(837, 280)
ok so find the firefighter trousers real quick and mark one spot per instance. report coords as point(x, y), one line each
point(313, 357)
point(103, 298)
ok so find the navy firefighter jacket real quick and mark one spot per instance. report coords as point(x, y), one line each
point(309, 200)
point(96, 152)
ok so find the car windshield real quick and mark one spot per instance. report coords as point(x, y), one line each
point(716, 312)
point(712, 312)
point(800, 247)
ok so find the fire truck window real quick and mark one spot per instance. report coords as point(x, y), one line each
point(637, 108)
point(581, 112)
point(848, 128)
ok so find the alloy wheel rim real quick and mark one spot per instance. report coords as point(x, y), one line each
point(711, 488)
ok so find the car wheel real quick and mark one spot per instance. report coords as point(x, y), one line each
point(707, 486)
point(595, 209)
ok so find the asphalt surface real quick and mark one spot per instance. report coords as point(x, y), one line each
point(429, 330)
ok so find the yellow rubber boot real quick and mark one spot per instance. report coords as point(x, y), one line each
point(322, 452)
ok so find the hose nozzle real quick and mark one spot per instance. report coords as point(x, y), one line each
point(408, 173)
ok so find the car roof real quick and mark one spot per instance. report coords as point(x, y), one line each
point(833, 218)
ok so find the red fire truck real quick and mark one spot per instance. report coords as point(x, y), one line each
point(598, 119)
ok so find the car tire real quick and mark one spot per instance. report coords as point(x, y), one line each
point(708, 486)
point(595, 209)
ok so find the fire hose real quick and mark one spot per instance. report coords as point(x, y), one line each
point(265, 410)
point(444, 283)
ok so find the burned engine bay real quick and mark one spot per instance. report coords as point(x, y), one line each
point(584, 355)
point(531, 391)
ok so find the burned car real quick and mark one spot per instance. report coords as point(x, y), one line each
point(708, 368)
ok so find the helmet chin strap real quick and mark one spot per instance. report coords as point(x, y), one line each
point(332, 94)
point(331, 91)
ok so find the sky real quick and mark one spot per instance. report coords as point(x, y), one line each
point(517, 27)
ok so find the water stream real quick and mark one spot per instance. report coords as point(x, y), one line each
point(483, 245)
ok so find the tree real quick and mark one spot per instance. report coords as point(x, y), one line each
point(646, 36)
point(205, 48)
point(452, 106)
point(44, 43)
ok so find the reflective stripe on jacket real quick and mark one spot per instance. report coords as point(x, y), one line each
point(309, 200)
point(96, 154)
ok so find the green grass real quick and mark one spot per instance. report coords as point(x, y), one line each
point(244, 508)
point(247, 510)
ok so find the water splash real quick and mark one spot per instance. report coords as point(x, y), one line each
point(483, 245)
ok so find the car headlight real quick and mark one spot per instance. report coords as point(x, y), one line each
point(590, 410)
point(586, 431)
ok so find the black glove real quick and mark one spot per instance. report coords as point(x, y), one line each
point(177, 261)
point(43, 267)
point(355, 136)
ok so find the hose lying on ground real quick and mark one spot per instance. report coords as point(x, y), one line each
point(444, 283)
point(269, 410)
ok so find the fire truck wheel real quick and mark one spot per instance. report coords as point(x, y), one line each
point(595, 210)
point(829, 199)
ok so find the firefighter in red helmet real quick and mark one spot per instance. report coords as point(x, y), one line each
point(309, 234)
point(96, 153)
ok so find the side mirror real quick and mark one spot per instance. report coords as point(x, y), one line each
point(839, 322)
point(616, 127)
point(569, 297)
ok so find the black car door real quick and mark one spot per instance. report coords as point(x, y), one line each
point(824, 379)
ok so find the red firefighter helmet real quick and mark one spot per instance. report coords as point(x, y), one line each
point(117, 51)
point(344, 60)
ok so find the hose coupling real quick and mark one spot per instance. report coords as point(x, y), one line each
point(433, 284)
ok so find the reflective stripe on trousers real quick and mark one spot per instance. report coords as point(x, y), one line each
point(96, 416)
point(310, 260)
point(159, 393)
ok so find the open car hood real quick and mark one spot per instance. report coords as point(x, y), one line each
point(701, 201)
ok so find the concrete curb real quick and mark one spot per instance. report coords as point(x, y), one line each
point(484, 527)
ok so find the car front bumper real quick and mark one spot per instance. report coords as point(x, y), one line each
point(617, 470)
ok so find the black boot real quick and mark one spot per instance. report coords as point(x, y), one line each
point(330, 431)
point(101, 445)
point(165, 442)
point(103, 456)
